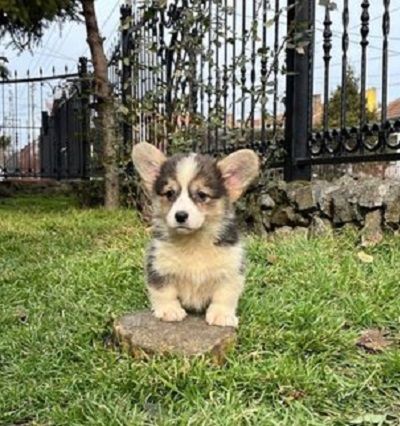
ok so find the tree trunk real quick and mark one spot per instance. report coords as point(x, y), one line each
point(104, 107)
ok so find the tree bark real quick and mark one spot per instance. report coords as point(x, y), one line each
point(104, 107)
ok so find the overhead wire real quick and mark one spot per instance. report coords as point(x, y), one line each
point(370, 46)
point(50, 33)
point(377, 17)
point(103, 24)
point(57, 45)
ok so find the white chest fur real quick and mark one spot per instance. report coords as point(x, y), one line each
point(197, 268)
point(197, 262)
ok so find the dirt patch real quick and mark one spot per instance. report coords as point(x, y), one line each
point(374, 340)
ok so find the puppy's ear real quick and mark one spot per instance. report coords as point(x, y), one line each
point(238, 171)
point(147, 160)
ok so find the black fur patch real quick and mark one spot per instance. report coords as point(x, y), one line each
point(229, 235)
point(154, 278)
point(167, 171)
point(208, 170)
point(159, 233)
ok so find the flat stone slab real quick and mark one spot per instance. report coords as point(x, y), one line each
point(143, 335)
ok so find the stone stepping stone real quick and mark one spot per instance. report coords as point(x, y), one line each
point(142, 335)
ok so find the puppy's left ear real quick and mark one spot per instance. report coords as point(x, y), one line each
point(238, 171)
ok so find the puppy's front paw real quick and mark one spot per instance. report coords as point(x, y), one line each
point(222, 316)
point(170, 313)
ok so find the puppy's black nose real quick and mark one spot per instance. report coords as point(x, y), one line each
point(181, 216)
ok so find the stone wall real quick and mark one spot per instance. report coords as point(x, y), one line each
point(272, 207)
point(371, 204)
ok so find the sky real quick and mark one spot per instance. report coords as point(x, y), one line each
point(61, 46)
point(374, 62)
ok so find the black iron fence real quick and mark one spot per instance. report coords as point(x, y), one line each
point(65, 133)
point(217, 75)
point(205, 75)
point(45, 126)
point(374, 135)
point(220, 74)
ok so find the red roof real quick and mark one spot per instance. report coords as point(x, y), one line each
point(393, 110)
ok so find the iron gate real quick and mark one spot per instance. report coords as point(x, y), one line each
point(216, 75)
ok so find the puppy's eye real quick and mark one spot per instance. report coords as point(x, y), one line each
point(202, 196)
point(170, 194)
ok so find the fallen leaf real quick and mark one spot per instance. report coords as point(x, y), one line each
point(364, 257)
point(289, 395)
point(374, 340)
point(296, 395)
point(272, 258)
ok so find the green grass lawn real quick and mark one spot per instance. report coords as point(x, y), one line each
point(65, 273)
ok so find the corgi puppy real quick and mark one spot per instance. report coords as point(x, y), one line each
point(195, 260)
